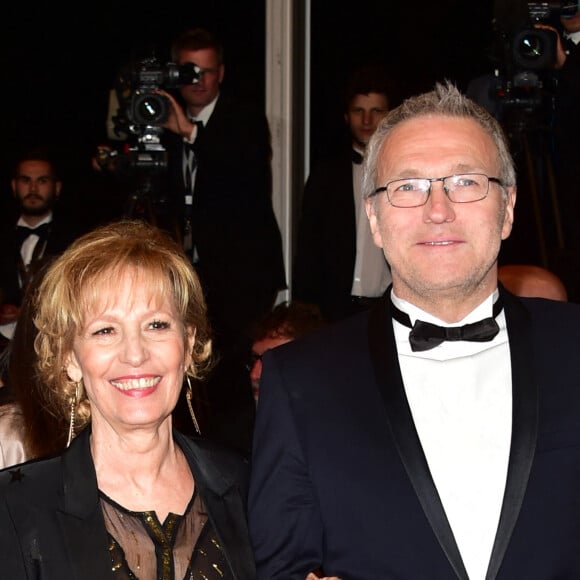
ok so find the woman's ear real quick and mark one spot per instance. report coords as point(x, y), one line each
point(72, 367)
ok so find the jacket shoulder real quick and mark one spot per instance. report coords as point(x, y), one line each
point(32, 481)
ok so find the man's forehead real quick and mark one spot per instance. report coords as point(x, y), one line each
point(34, 165)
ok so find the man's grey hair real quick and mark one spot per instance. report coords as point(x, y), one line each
point(445, 99)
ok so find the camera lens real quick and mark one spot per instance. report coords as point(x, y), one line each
point(532, 46)
point(534, 49)
point(149, 109)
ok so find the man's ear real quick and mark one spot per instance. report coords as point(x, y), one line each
point(58, 187)
point(509, 212)
point(373, 222)
point(72, 367)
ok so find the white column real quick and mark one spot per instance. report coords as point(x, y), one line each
point(280, 64)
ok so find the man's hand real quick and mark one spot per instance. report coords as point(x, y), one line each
point(177, 120)
point(560, 52)
point(105, 159)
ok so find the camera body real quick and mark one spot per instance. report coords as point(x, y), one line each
point(526, 76)
point(142, 109)
point(536, 49)
point(147, 106)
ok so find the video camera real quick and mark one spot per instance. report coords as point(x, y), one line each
point(143, 110)
point(141, 106)
point(527, 54)
point(534, 48)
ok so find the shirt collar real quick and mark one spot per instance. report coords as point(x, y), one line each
point(206, 112)
point(46, 220)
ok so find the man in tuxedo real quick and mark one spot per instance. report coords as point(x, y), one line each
point(436, 435)
point(219, 154)
point(34, 234)
point(337, 266)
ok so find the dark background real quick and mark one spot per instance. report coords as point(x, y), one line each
point(58, 63)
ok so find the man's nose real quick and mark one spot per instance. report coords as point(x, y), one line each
point(439, 207)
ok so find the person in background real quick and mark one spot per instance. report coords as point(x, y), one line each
point(533, 281)
point(12, 449)
point(337, 266)
point(36, 231)
point(28, 427)
point(287, 321)
point(564, 134)
point(219, 163)
point(217, 186)
point(434, 435)
point(122, 328)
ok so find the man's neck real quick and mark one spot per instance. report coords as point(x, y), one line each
point(202, 113)
point(33, 220)
point(451, 306)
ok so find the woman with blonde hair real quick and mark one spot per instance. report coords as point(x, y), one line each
point(122, 328)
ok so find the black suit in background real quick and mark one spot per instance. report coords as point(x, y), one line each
point(63, 231)
point(326, 241)
point(566, 139)
point(235, 230)
point(238, 241)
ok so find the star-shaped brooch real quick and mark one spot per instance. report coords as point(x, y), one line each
point(17, 475)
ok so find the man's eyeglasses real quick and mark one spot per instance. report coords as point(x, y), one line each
point(415, 191)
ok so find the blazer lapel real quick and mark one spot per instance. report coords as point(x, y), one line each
point(385, 361)
point(525, 399)
point(224, 503)
point(81, 518)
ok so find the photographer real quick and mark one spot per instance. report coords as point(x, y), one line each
point(218, 182)
point(567, 143)
point(566, 139)
point(534, 92)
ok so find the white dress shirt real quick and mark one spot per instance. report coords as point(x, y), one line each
point(372, 275)
point(461, 401)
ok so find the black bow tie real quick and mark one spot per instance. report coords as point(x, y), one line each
point(425, 336)
point(22, 232)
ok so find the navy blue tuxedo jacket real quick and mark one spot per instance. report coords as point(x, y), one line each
point(52, 526)
point(339, 478)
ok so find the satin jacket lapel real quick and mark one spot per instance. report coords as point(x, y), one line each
point(81, 517)
point(385, 361)
point(224, 505)
point(525, 400)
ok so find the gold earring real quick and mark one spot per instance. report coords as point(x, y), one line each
point(73, 405)
point(188, 396)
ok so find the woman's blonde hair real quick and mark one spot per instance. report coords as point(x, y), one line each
point(71, 285)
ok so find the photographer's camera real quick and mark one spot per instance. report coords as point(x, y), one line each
point(147, 107)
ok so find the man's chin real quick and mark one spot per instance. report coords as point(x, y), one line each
point(34, 211)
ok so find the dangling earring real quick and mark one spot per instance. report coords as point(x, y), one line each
point(73, 405)
point(188, 396)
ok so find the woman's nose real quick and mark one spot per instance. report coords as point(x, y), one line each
point(134, 349)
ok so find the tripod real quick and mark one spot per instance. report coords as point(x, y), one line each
point(149, 200)
point(529, 137)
